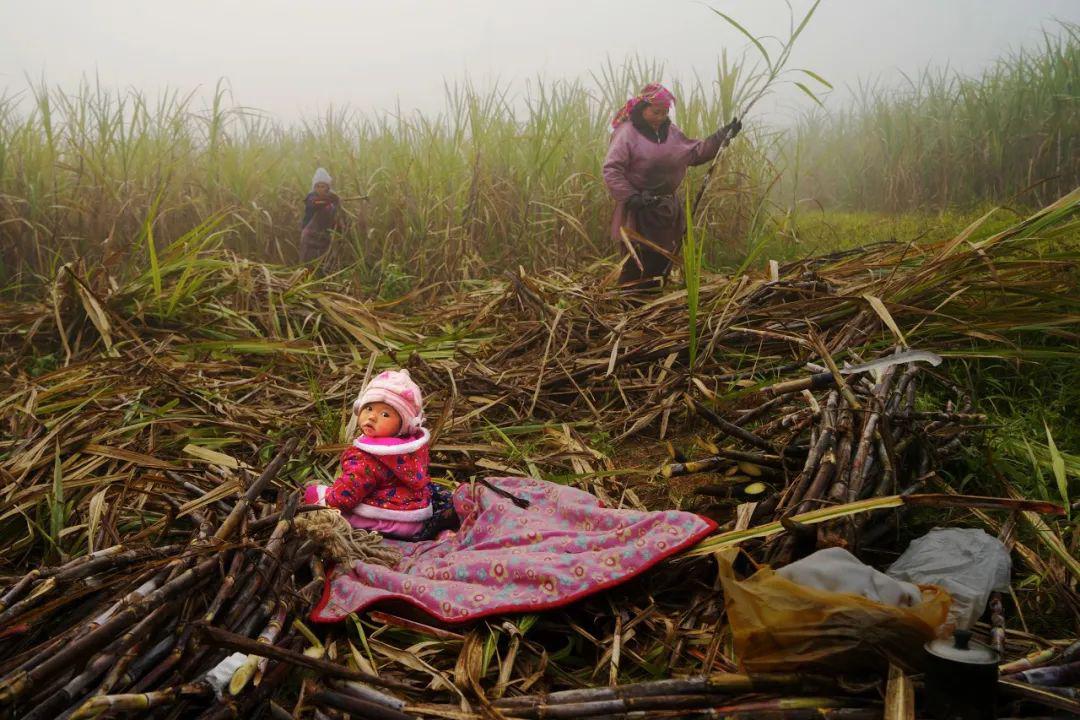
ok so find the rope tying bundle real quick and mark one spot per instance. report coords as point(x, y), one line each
point(342, 542)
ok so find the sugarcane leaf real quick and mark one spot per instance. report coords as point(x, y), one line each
point(1057, 463)
point(491, 644)
point(886, 317)
point(151, 245)
point(56, 501)
point(98, 318)
point(810, 93)
point(213, 457)
point(359, 627)
point(94, 513)
point(817, 77)
point(757, 43)
point(803, 24)
point(316, 649)
point(1037, 469)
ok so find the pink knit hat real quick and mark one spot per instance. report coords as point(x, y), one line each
point(396, 389)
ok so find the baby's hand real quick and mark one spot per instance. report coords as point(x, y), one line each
point(315, 494)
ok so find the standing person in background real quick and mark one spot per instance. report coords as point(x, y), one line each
point(320, 217)
point(646, 162)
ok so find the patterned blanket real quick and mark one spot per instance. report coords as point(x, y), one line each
point(505, 559)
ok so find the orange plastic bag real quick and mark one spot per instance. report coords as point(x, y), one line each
point(781, 626)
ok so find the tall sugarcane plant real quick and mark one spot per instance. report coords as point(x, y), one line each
point(692, 254)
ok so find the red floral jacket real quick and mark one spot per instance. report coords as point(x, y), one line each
point(384, 478)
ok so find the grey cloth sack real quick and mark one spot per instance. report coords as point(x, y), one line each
point(837, 570)
point(967, 562)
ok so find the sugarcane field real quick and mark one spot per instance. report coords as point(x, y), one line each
point(430, 361)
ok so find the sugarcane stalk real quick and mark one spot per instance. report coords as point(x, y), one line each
point(277, 712)
point(719, 684)
point(822, 479)
point(271, 555)
point(246, 672)
point(1029, 661)
point(307, 595)
point(1069, 693)
point(357, 706)
point(16, 685)
point(18, 590)
point(134, 597)
point(33, 657)
point(231, 641)
point(658, 703)
point(227, 587)
point(733, 430)
point(783, 550)
point(269, 636)
point(273, 518)
point(370, 694)
point(232, 522)
point(65, 695)
point(1064, 674)
point(896, 401)
point(802, 483)
point(112, 558)
point(143, 701)
point(229, 707)
point(859, 467)
point(189, 643)
point(997, 623)
point(1040, 695)
point(752, 414)
point(693, 466)
point(886, 484)
point(817, 381)
point(1070, 653)
point(120, 668)
point(794, 422)
point(142, 663)
point(756, 711)
point(154, 675)
point(40, 594)
point(839, 490)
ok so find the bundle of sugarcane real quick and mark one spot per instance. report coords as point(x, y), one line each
point(859, 436)
point(133, 626)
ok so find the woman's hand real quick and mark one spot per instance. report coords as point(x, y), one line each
point(731, 129)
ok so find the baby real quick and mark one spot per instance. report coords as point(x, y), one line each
point(384, 485)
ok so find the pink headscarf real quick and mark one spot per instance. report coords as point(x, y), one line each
point(653, 93)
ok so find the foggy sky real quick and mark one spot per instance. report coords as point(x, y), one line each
point(293, 59)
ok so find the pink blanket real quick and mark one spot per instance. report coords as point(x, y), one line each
point(505, 559)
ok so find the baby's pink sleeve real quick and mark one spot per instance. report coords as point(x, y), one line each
point(355, 482)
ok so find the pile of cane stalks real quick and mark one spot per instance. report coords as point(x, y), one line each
point(157, 431)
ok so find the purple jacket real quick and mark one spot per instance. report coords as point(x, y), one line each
point(636, 163)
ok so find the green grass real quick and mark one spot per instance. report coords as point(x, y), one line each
point(792, 236)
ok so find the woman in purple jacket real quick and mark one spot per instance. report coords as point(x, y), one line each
point(645, 164)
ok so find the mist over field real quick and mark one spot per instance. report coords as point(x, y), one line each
point(295, 60)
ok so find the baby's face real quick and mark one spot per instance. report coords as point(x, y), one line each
point(379, 420)
point(322, 189)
